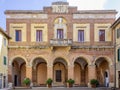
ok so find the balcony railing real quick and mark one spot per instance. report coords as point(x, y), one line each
point(61, 42)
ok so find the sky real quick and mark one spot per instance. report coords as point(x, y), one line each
point(39, 4)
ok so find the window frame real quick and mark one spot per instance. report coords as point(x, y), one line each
point(18, 38)
point(60, 34)
point(5, 41)
point(101, 38)
point(39, 35)
point(81, 38)
point(118, 33)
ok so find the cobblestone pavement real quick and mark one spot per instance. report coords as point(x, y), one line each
point(64, 88)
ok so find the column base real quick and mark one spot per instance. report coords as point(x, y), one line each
point(111, 84)
point(89, 85)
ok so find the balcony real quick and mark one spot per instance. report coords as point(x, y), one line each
point(61, 42)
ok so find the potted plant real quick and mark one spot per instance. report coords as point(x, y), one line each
point(93, 83)
point(70, 82)
point(26, 81)
point(49, 82)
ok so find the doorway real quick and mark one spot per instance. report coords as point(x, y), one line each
point(15, 80)
point(119, 79)
point(58, 76)
point(106, 79)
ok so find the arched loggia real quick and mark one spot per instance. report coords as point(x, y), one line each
point(59, 72)
point(81, 72)
point(102, 71)
point(18, 71)
point(39, 72)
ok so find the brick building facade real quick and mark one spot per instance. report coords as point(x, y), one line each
point(115, 27)
point(60, 42)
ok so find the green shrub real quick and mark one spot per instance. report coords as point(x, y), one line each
point(26, 81)
point(71, 81)
point(49, 81)
point(94, 81)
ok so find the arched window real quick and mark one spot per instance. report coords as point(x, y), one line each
point(60, 28)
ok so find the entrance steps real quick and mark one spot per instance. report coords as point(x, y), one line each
point(58, 85)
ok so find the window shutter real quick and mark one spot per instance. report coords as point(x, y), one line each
point(118, 54)
point(118, 33)
point(5, 60)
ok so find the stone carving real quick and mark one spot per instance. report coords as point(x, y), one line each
point(60, 9)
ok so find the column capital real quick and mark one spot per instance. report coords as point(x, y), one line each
point(70, 65)
point(49, 65)
point(92, 65)
point(27, 65)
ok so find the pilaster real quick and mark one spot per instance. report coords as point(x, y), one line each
point(71, 71)
point(91, 72)
point(29, 72)
point(50, 71)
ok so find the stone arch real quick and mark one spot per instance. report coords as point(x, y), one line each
point(106, 58)
point(18, 70)
point(102, 70)
point(32, 60)
point(56, 19)
point(18, 56)
point(84, 57)
point(65, 59)
point(60, 28)
point(39, 70)
point(60, 71)
point(81, 71)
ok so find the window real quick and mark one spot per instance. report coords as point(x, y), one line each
point(4, 41)
point(18, 35)
point(102, 35)
point(59, 33)
point(5, 60)
point(39, 35)
point(80, 35)
point(118, 54)
point(118, 33)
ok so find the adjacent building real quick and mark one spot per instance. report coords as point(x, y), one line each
point(116, 33)
point(3, 58)
point(60, 42)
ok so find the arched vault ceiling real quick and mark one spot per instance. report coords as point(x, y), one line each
point(100, 60)
point(20, 61)
point(82, 62)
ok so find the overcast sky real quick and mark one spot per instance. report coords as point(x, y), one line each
point(39, 4)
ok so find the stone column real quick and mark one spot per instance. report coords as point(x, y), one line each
point(91, 73)
point(29, 72)
point(50, 71)
point(111, 76)
point(71, 71)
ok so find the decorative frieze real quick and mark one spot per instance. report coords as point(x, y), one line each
point(93, 16)
point(60, 9)
point(27, 16)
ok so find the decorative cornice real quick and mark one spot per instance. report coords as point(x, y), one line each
point(115, 23)
point(28, 47)
point(2, 31)
point(92, 47)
